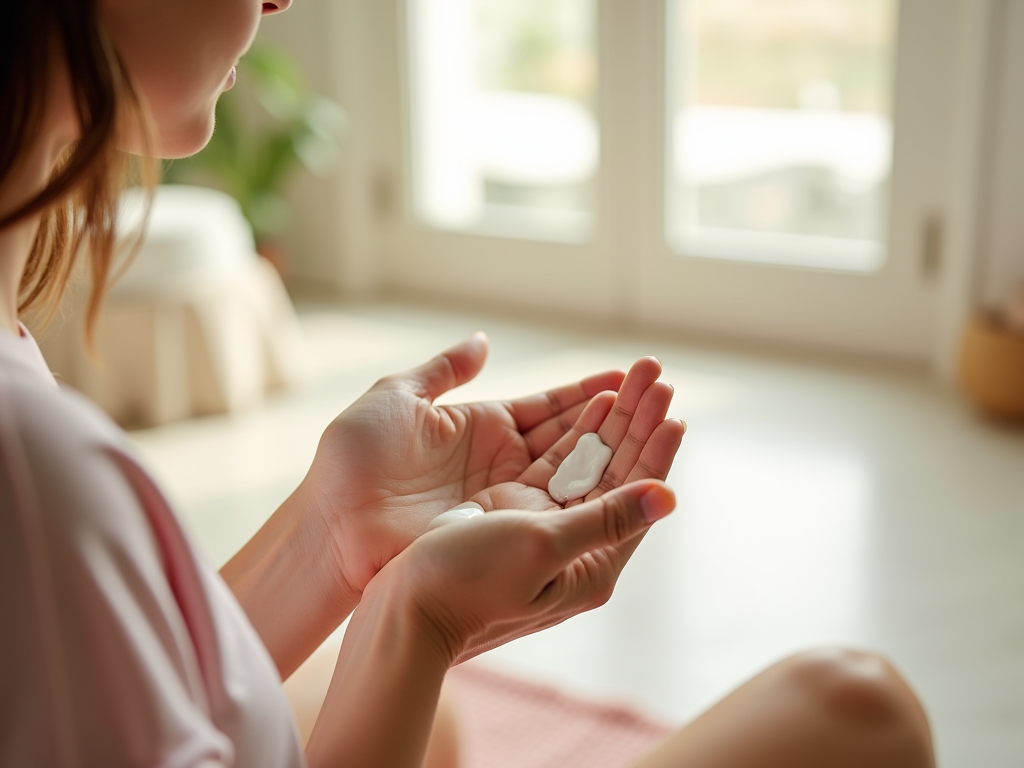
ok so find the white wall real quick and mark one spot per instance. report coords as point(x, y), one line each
point(329, 240)
point(1001, 262)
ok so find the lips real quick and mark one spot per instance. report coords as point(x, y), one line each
point(232, 77)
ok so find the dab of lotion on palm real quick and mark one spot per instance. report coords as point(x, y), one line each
point(467, 510)
point(577, 476)
point(582, 469)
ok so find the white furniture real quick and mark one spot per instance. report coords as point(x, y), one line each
point(198, 324)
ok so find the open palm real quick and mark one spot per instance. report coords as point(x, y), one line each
point(393, 461)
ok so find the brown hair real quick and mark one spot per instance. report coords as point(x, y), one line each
point(79, 205)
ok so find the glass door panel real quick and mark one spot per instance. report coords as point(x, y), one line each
point(777, 169)
point(781, 130)
point(503, 129)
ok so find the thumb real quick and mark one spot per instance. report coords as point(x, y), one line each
point(614, 517)
point(450, 369)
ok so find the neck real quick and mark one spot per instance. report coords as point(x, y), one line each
point(15, 246)
point(28, 179)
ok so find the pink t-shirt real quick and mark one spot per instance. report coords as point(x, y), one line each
point(118, 647)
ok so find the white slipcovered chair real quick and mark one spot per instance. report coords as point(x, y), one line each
point(198, 324)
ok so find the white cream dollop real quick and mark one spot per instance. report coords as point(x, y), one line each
point(582, 469)
point(464, 511)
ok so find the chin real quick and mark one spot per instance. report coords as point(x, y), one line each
point(186, 140)
point(176, 134)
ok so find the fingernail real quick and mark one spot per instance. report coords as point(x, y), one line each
point(657, 503)
point(684, 426)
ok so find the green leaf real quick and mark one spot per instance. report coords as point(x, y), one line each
point(276, 155)
point(267, 214)
point(277, 81)
point(250, 159)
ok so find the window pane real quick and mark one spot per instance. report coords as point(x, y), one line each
point(503, 97)
point(782, 130)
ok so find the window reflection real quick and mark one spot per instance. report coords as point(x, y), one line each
point(504, 134)
point(781, 131)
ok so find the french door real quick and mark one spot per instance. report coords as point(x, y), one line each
point(762, 168)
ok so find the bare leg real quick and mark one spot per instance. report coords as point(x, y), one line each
point(823, 709)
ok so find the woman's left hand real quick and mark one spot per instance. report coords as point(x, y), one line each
point(393, 461)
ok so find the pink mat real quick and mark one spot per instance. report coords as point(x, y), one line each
point(510, 723)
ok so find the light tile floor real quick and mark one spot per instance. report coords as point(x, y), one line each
point(820, 502)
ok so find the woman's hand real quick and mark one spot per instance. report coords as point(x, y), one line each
point(451, 595)
point(488, 580)
point(393, 461)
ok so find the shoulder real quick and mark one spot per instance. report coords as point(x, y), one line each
point(56, 416)
point(60, 470)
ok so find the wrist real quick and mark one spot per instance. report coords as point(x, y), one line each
point(442, 617)
point(386, 682)
point(393, 602)
point(288, 582)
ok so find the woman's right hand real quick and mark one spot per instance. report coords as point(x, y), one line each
point(482, 582)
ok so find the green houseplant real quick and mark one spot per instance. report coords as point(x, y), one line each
point(265, 130)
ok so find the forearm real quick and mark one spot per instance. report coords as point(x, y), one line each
point(286, 579)
point(380, 707)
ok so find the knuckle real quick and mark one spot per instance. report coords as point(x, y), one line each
point(646, 469)
point(634, 441)
point(609, 482)
point(618, 520)
point(541, 546)
point(553, 401)
point(621, 412)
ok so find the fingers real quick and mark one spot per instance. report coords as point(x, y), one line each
point(654, 462)
point(547, 433)
point(589, 544)
point(520, 572)
point(656, 458)
point(533, 411)
point(647, 416)
point(540, 472)
point(643, 373)
point(559, 408)
point(638, 411)
point(450, 369)
point(612, 519)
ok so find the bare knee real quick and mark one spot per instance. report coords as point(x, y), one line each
point(849, 685)
point(861, 693)
point(836, 708)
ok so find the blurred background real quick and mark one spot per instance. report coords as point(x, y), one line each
point(810, 210)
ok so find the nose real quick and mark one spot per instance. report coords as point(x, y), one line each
point(276, 6)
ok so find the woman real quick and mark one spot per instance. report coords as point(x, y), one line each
point(120, 648)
